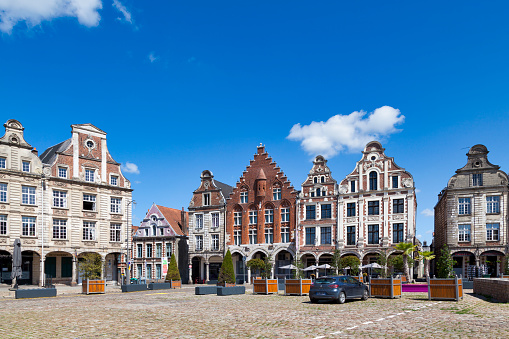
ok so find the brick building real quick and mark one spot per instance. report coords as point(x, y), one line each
point(317, 215)
point(260, 219)
point(471, 214)
point(207, 226)
point(377, 206)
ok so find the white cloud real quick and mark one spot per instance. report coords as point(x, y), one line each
point(122, 9)
point(428, 213)
point(429, 231)
point(417, 190)
point(152, 57)
point(33, 12)
point(129, 167)
point(419, 236)
point(348, 133)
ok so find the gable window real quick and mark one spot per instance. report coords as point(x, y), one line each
point(3, 192)
point(159, 250)
point(168, 249)
point(285, 234)
point(464, 206)
point(325, 235)
point(28, 226)
point(269, 216)
point(350, 235)
point(373, 181)
point(215, 242)
point(149, 250)
point(352, 186)
point(89, 175)
point(318, 192)
point(243, 197)
point(493, 204)
point(215, 220)
point(237, 237)
point(25, 166)
point(139, 253)
point(206, 199)
point(477, 179)
point(373, 207)
point(161, 231)
point(115, 232)
point(89, 202)
point(89, 230)
point(464, 233)
point(2, 162)
point(28, 195)
point(116, 205)
point(397, 233)
point(350, 209)
point(276, 193)
point(373, 235)
point(269, 236)
point(114, 180)
point(59, 229)
point(315, 180)
point(310, 212)
point(310, 235)
point(492, 232)
point(62, 172)
point(322, 179)
point(253, 217)
point(253, 236)
point(394, 181)
point(398, 206)
point(3, 224)
point(60, 199)
point(285, 214)
point(198, 221)
point(237, 218)
point(326, 211)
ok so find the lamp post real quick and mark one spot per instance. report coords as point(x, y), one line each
point(128, 235)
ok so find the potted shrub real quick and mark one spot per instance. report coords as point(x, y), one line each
point(226, 276)
point(447, 286)
point(173, 275)
point(91, 268)
point(263, 285)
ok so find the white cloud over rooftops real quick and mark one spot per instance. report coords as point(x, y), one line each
point(129, 167)
point(152, 57)
point(347, 133)
point(33, 12)
point(122, 9)
point(428, 213)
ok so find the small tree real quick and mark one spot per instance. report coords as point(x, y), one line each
point(445, 263)
point(398, 263)
point(91, 266)
point(427, 256)
point(506, 269)
point(298, 273)
point(336, 260)
point(383, 260)
point(226, 272)
point(173, 270)
point(264, 266)
point(350, 261)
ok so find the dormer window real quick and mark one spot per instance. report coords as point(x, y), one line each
point(206, 199)
point(352, 186)
point(322, 179)
point(62, 172)
point(114, 180)
point(477, 179)
point(276, 192)
point(25, 166)
point(315, 180)
point(89, 143)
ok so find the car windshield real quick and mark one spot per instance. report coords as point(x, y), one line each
point(324, 281)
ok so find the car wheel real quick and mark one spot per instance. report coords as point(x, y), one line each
point(365, 295)
point(342, 298)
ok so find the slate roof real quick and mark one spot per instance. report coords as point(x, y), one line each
point(173, 216)
point(49, 155)
point(226, 189)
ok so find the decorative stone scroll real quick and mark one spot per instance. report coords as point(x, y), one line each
point(28, 242)
point(29, 209)
point(373, 218)
point(116, 217)
point(60, 212)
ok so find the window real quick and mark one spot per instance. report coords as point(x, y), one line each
point(62, 172)
point(373, 181)
point(325, 235)
point(59, 229)
point(492, 232)
point(3, 192)
point(215, 242)
point(237, 237)
point(350, 235)
point(146, 232)
point(3, 224)
point(149, 250)
point(350, 209)
point(285, 214)
point(88, 202)
point(269, 216)
point(310, 212)
point(269, 236)
point(89, 175)
point(237, 218)
point(25, 166)
point(116, 205)
point(140, 270)
point(315, 180)
point(198, 221)
point(158, 271)
point(114, 180)
point(243, 197)
point(215, 220)
point(373, 207)
point(493, 204)
point(149, 271)
point(168, 249)
point(373, 234)
point(464, 233)
point(253, 217)
point(161, 231)
point(60, 199)
point(115, 230)
point(2, 163)
point(477, 179)
point(352, 186)
point(154, 230)
point(394, 181)
point(318, 192)
point(88, 230)
point(310, 235)
point(140, 251)
point(397, 233)
point(206, 199)
point(398, 206)
point(28, 225)
point(326, 212)
point(285, 234)
point(464, 206)
point(322, 179)
point(28, 195)
point(276, 193)
point(199, 242)
point(253, 236)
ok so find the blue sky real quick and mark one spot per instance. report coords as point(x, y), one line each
point(183, 86)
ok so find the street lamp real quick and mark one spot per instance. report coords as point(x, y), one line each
point(128, 235)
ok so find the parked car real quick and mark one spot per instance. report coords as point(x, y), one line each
point(337, 289)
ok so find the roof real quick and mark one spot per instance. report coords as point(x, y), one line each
point(173, 217)
point(226, 189)
point(49, 155)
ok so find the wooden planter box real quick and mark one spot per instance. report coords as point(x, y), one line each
point(385, 288)
point(357, 278)
point(504, 276)
point(445, 289)
point(93, 286)
point(264, 286)
point(176, 283)
point(297, 286)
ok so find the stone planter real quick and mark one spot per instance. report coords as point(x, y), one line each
point(225, 284)
point(159, 286)
point(202, 290)
point(93, 286)
point(231, 290)
point(134, 288)
point(35, 293)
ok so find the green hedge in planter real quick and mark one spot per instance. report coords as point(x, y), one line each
point(173, 270)
point(226, 273)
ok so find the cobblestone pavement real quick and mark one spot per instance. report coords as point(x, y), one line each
point(181, 314)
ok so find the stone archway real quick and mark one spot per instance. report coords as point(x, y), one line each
point(239, 266)
point(283, 258)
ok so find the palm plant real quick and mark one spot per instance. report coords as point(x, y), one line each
point(427, 256)
point(407, 248)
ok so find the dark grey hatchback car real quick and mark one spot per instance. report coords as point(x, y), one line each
point(337, 289)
